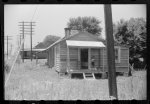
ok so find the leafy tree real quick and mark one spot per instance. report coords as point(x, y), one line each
point(89, 24)
point(40, 45)
point(133, 34)
point(48, 40)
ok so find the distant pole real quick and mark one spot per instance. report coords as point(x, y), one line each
point(22, 33)
point(31, 41)
point(36, 57)
point(20, 39)
point(23, 42)
point(7, 38)
point(110, 52)
point(27, 29)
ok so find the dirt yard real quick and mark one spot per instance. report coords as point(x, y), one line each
point(29, 81)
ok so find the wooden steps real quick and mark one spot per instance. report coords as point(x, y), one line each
point(88, 76)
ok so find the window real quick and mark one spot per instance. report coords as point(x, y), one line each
point(117, 54)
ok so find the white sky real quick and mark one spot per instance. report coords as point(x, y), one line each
point(52, 19)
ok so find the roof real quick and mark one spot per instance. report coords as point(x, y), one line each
point(84, 43)
point(64, 38)
point(27, 49)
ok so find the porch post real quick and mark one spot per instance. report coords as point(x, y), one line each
point(78, 58)
point(68, 59)
point(103, 59)
point(89, 58)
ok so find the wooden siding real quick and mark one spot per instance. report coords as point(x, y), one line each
point(63, 56)
point(123, 64)
point(51, 57)
point(57, 57)
point(73, 52)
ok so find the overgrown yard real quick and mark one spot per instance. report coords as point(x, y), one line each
point(29, 81)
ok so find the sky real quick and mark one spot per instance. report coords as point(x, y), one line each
point(52, 19)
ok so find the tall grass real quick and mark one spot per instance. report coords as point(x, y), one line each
point(38, 82)
point(133, 87)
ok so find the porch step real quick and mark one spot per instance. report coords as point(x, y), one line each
point(88, 76)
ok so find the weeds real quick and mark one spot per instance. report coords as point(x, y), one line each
point(6, 68)
point(43, 83)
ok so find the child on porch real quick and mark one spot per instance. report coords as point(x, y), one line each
point(93, 61)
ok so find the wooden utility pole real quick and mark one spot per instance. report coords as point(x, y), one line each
point(19, 40)
point(7, 38)
point(110, 52)
point(27, 29)
point(31, 39)
point(22, 33)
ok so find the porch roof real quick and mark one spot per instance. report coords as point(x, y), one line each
point(74, 43)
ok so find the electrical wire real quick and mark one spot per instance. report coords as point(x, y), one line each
point(14, 63)
point(34, 13)
point(18, 51)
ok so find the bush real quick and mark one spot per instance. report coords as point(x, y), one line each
point(7, 68)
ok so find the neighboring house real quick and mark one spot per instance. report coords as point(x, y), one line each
point(83, 52)
point(39, 52)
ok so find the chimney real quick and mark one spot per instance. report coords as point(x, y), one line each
point(67, 32)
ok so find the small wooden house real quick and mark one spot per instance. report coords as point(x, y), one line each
point(83, 52)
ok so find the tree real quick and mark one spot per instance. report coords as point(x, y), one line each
point(133, 34)
point(48, 40)
point(89, 24)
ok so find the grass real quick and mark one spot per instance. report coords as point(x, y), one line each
point(29, 81)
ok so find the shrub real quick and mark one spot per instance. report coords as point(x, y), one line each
point(6, 68)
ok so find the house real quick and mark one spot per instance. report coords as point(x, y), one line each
point(26, 54)
point(83, 52)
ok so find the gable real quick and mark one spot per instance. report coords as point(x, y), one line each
point(84, 36)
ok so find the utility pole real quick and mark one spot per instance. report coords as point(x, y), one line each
point(19, 39)
point(110, 52)
point(27, 29)
point(7, 38)
point(22, 33)
point(31, 40)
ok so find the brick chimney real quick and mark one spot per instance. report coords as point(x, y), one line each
point(67, 32)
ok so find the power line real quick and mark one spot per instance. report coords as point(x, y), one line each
point(13, 63)
point(34, 13)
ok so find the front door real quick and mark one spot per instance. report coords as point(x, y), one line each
point(84, 58)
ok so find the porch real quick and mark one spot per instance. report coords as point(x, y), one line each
point(85, 57)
